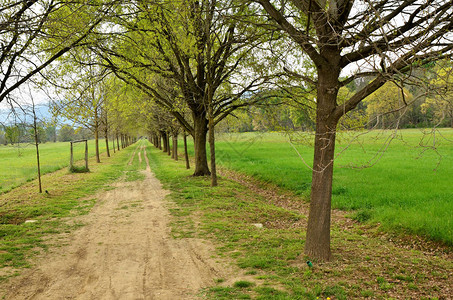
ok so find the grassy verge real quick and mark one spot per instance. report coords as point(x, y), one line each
point(408, 190)
point(365, 264)
point(29, 220)
point(18, 163)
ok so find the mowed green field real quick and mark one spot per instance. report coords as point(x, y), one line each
point(409, 188)
point(18, 163)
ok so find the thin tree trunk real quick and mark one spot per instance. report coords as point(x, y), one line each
point(107, 142)
point(86, 156)
point(168, 144)
point(113, 142)
point(117, 142)
point(35, 129)
point(175, 147)
point(212, 150)
point(451, 118)
point(186, 154)
point(96, 138)
point(106, 134)
point(172, 147)
point(200, 132)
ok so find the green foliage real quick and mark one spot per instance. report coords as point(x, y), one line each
point(355, 119)
point(387, 105)
point(440, 100)
point(12, 134)
point(66, 133)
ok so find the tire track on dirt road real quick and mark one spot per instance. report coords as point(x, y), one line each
point(125, 251)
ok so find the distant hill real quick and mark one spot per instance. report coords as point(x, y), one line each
point(24, 114)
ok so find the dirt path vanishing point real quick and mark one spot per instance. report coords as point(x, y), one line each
point(124, 252)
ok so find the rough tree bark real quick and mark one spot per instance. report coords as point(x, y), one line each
point(200, 132)
point(163, 134)
point(317, 243)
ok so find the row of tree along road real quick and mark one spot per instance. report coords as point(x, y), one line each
point(173, 67)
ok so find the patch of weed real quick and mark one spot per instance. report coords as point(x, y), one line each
point(79, 169)
point(243, 284)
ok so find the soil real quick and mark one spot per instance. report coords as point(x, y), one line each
point(125, 251)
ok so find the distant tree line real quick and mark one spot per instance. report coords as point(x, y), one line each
point(380, 110)
point(23, 133)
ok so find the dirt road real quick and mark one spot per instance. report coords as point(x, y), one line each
point(124, 252)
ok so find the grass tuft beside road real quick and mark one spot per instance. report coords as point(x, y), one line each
point(366, 264)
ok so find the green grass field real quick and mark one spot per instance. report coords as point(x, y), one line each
point(18, 163)
point(409, 188)
point(367, 264)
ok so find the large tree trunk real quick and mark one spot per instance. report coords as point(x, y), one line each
point(199, 140)
point(163, 134)
point(317, 244)
point(154, 138)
